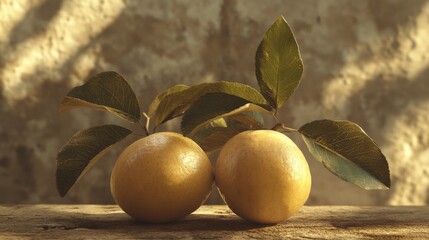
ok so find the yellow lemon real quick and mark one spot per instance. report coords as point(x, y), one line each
point(161, 178)
point(263, 176)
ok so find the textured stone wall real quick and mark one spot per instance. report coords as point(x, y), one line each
point(366, 61)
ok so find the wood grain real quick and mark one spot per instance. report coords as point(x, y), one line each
point(212, 222)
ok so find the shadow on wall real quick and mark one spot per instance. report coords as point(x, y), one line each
point(386, 101)
point(32, 131)
point(381, 99)
point(386, 97)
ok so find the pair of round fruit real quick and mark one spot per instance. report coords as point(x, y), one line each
point(262, 176)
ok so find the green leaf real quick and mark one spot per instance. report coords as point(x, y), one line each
point(211, 139)
point(279, 66)
point(213, 106)
point(176, 103)
point(105, 91)
point(82, 151)
point(220, 122)
point(248, 120)
point(213, 135)
point(154, 105)
point(348, 152)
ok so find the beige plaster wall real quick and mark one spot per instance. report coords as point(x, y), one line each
point(366, 61)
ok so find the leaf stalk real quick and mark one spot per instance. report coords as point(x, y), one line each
point(280, 127)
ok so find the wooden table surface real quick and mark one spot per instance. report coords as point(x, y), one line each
point(212, 222)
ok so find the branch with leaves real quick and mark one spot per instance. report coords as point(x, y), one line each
point(212, 113)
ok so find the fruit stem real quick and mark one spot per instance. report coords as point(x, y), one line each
point(280, 127)
point(144, 128)
point(147, 121)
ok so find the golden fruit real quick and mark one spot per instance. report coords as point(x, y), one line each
point(161, 178)
point(263, 176)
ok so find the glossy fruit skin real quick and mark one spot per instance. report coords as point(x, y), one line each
point(263, 176)
point(161, 178)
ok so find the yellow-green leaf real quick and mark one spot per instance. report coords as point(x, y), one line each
point(248, 120)
point(215, 134)
point(81, 152)
point(348, 152)
point(213, 106)
point(176, 103)
point(155, 103)
point(105, 91)
point(279, 66)
point(213, 138)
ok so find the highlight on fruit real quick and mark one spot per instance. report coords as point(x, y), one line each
point(261, 174)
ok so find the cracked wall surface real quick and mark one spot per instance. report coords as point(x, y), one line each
point(365, 61)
